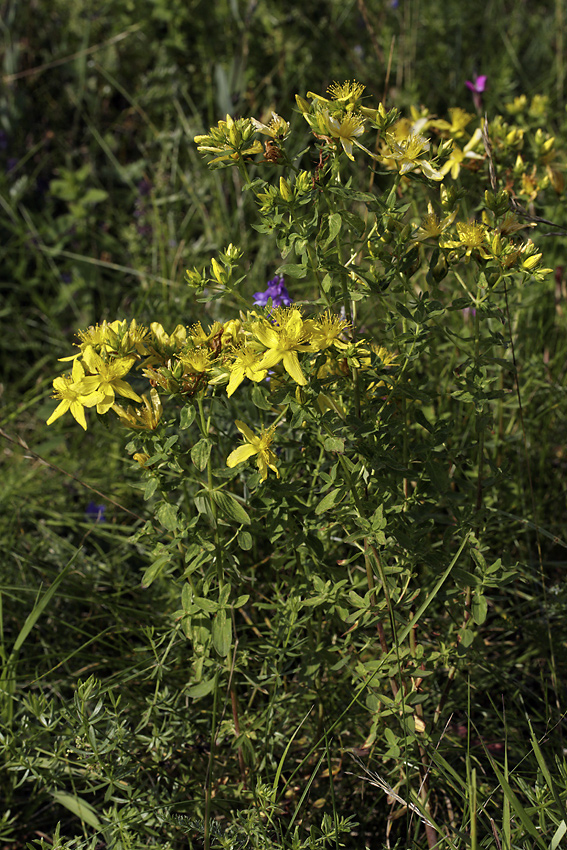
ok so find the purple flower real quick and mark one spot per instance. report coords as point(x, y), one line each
point(95, 513)
point(277, 291)
point(477, 87)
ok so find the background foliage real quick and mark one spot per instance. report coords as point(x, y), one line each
point(105, 202)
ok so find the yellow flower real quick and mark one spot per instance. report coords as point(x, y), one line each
point(198, 361)
point(458, 156)
point(115, 336)
point(407, 155)
point(346, 130)
point(459, 120)
point(277, 128)
point(245, 365)
point(145, 418)
point(75, 393)
point(472, 236)
point(346, 93)
point(283, 339)
point(432, 227)
point(171, 341)
point(259, 446)
point(326, 330)
point(109, 378)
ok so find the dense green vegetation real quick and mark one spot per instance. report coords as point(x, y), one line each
point(371, 649)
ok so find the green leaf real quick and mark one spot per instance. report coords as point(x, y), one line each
point(242, 600)
point(293, 270)
point(334, 224)
point(78, 807)
point(205, 604)
point(245, 540)
point(559, 833)
point(155, 569)
point(187, 416)
point(515, 803)
point(202, 689)
point(327, 283)
point(150, 488)
point(467, 638)
point(328, 501)
point(167, 515)
point(547, 775)
point(479, 608)
point(222, 633)
point(229, 507)
point(334, 444)
point(94, 196)
point(38, 608)
point(260, 398)
point(201, 452)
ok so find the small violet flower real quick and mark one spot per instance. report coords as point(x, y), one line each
point(277, 291)
point(95, 513)
point(477, 88)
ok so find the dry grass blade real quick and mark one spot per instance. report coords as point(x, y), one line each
point(376, 780)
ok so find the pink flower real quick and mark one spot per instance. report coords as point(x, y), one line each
point(477, 87)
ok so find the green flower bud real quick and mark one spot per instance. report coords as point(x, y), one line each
point(440, 269)
point(218, 270)
point(285, 190)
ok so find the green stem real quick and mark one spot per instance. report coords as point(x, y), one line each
point(209, 777)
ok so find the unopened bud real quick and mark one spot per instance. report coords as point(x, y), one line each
point(496, 245)
point(218, 270)
point(531, 262)
point(440, 269)
point(285, 190)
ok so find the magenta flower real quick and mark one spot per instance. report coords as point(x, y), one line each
point(478, 85)
point(477, 88)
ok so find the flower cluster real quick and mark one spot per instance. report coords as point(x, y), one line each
point(342, 118)
point(276, 292)
point(229, 142)
point(282, 343)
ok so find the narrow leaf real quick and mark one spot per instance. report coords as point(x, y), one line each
point(328, 501)
point(201, 452)
point(230, 507)
point(78, 807)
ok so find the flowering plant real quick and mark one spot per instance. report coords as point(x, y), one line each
point(303, 434)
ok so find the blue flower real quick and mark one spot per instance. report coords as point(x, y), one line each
point(95, 513)
point(277, 291)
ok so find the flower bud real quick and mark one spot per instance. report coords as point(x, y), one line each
point(448, 198)
point(303, 181)
point(248, 131)
point(285, 190)
point(232, 252)
point(218, 270)
point(496, 245)
point(177, 371)
point(531, 262)
point(440, 269)
point(234, 135)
